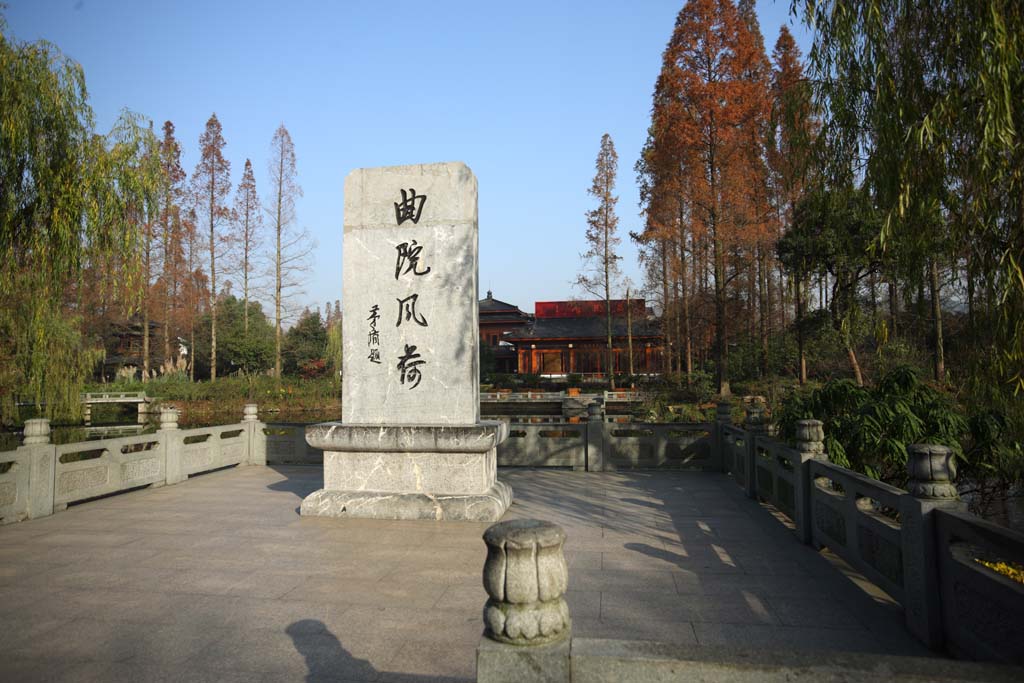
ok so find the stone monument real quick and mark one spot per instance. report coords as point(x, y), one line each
point(410, 444)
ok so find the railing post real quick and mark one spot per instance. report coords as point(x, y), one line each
point(594, 451)
point(810, 445)
point(932, 470)
point(257, 437)
point(171, 442)
point(723, 416)
point(753, 427)
point(526, 619)
point(41, 456)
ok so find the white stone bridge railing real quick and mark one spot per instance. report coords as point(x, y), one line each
point(40, 478)
point(919, 545)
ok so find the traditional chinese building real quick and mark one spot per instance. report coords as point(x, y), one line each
point(570, 337)
point(497, 320)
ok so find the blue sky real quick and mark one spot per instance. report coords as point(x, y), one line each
point(521, 92)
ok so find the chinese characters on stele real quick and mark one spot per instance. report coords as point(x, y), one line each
point(407, 265)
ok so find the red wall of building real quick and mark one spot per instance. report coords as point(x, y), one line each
point(587, 309)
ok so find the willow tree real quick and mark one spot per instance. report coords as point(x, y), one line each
point(925, 101)
point(69, 196)
point(600, 260)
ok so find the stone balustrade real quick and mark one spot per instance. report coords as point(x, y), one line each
point(920, 545)
point(40, 477)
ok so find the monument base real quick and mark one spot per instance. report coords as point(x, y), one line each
point(438, 472)
point(485, 507)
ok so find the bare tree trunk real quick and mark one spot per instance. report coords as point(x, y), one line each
point(893, 307)
point(940, 361)
point(798, 295)
point(147, 274)
point(666, 327)
point(762, 301)
point(854, 364)
point(608, 312)
point(169, 280)
point(969, 267)
point(629, 333)
point(213, 284)
point(721, 352)
point(687, 332)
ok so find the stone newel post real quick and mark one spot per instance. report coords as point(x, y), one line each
point(171, 442)
point(754, 421)
point(723, 416)
point(41, 456)
point(595, 435)
point(169, 418)
point(257, 437)
point(932, 470)
point(526, 619)
point(525, 576)
point(810, 445)
point(37, 431)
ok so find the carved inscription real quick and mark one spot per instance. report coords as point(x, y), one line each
point(8, 493)
point(881, 554)
point(77, 480)
point(141, 469)
point(829, 522)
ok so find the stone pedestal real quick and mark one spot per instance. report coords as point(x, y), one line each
point(527, 629)
point(409, 472)
point(410, 444)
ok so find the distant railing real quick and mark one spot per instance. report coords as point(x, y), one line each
point(649, 445)
point(115, 397)
point(545, 445)
point(516, 396)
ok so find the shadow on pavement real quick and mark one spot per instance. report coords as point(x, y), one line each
point(326, 658)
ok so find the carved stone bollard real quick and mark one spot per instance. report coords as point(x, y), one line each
point(810, 439)
point(250, 413)
point(754, 421)
point(168, 418)
point(932, 469)
point(723, 413)
point(525, 576)
point(37, 431)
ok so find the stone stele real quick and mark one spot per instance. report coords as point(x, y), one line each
point(411, 444)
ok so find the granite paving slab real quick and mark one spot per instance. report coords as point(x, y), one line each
point(219, 578)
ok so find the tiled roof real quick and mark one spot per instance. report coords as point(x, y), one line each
point(583, 328)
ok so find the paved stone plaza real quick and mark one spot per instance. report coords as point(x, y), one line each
point(220, 579)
